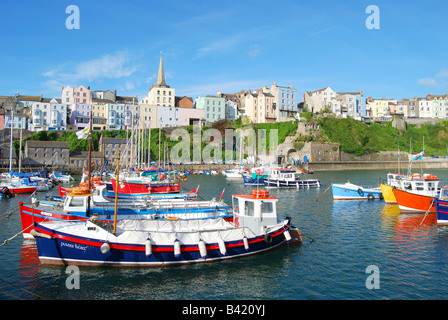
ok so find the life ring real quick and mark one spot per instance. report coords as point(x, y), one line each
point(360, 191)
point(260, 194)
point(370, 196)
point(268, 238)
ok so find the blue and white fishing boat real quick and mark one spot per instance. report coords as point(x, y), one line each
point(253, 179)
point(146, 243)
point(350, 191)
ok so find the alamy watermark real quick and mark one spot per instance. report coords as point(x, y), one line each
point(73, 20)
point(373, 20)
point(72, 281)
point(373, 280)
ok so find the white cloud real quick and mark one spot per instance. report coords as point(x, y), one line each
point(129, 85)
point(255, 51)
point(109, 66)
point(221, 45)
point(427, 82)
point(443, 74)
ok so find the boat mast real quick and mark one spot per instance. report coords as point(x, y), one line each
point(89, 158)
point(20, 145)
point(10, 145)
point(116, 195)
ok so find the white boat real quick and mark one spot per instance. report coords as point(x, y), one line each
point(61, 176)
point(234, 173)
point(289, 178)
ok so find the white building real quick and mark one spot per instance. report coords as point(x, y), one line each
point(425, 108)
point(167, 116)
point(320, 99)
point(49, 114)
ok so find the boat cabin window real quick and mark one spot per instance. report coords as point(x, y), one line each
point(431, 186)
point(407, 185)
point(444, 193)
point(267, 207)
point(76, 202)
point(420, 186)
point(249, 208)
point(235, 205)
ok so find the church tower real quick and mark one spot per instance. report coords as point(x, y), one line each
point(161, 94)
point(161, 76)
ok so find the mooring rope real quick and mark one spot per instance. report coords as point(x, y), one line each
point(15, 286)
point(20, 232)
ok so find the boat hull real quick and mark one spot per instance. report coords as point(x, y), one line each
point(21, 190)
point(297, 184)
point(57, 248)
point(144, 188)
point(353, 192)
point(388, 194)
point(411, 202)
point(253, 181)
point(442, 211)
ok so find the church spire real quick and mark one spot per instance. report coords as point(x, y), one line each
point(161, 76)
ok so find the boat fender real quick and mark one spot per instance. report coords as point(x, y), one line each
point(148, 247)
point(35, 233)
point(176, 248)
point(287, 235)
point(268, 238)
point(370, 196)
point(105, 248)
point(246, 243)
point(202, 249)
point(222, 246)
point(360, 191)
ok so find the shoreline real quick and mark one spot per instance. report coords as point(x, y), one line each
point(315, 166)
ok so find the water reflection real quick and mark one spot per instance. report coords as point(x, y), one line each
point(250, 277)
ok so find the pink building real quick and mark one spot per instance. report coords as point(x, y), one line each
point(189, 116)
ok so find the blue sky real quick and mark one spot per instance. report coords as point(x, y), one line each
point(225, 45)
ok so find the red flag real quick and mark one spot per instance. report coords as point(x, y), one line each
point(195, 190)
point(222, 193)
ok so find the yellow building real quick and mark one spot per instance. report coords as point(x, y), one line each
point(381, 107)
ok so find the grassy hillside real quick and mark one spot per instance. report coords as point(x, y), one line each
point(359, 138)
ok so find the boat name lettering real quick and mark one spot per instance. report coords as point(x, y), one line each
point(73, 246)
point(48, 214)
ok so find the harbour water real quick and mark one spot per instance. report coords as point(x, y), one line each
point(348, 238)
